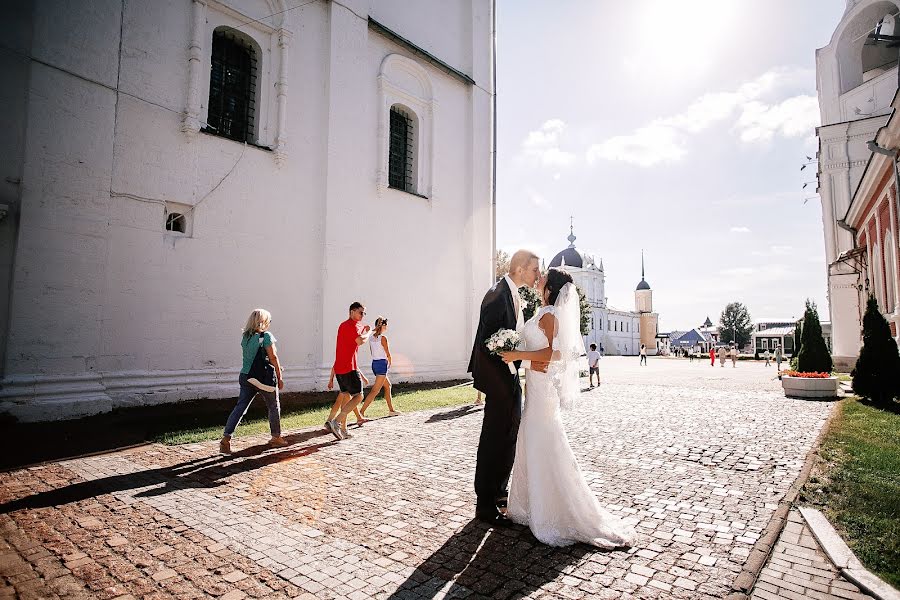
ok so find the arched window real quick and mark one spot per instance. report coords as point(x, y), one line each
point(402, 149)
point(859, 61)
point(232, 86)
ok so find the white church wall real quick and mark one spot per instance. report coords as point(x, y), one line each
point(852, 110)
point(109, 308)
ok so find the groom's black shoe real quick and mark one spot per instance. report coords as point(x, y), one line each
point(494, 518)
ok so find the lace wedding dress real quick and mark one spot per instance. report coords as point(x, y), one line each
point(547, 491)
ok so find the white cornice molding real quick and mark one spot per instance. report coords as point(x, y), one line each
point(837, 166)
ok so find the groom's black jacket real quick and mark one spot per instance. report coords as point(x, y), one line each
point(498, 312)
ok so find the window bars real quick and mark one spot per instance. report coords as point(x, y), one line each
point(400, 153)
point(232, 87)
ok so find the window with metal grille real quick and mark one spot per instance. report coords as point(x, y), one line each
point(232, 87)
point(401, 151)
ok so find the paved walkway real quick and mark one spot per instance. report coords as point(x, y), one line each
point(798, 568)
point(696, 457)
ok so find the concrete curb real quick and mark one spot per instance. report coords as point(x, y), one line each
point(843, 558)
point(762, 549)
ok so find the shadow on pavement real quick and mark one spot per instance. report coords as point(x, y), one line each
point(492, 563)
point(456, 413)
point(205, 472)
point(24, 444)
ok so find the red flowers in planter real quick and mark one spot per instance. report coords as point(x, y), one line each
point(806, 375)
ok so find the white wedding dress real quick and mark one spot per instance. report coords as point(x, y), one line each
point(547, 491)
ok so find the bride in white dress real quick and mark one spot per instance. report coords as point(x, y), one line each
point(548, 492)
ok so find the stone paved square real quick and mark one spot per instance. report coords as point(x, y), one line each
point(696, 457)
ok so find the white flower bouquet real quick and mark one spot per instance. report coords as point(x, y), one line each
point(504, 340)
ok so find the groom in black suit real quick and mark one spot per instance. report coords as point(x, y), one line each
point(500, 309)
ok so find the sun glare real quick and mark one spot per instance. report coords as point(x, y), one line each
point(675, 38)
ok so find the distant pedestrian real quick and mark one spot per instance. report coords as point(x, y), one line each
point(690, 355)
point(722, 355)
point(260, 374)
point(351, 335)
point(643, 353)
point(712, 356)
point(766, 356)
point(593, 358)
point(381, 364)
point(779, 356)
point(734, 356)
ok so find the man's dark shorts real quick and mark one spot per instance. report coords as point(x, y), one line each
point(350, 383)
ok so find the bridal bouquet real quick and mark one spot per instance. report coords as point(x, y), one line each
point(504, 340)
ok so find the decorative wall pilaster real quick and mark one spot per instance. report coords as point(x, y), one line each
point(281, 86)
point(190, 123)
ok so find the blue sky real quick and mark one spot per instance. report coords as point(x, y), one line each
point(678, 127)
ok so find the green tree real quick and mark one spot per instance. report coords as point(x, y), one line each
point(531, 301)
point(877, 372)
point(585, 312)
point(501, 265)
point(813, 356)
point(735, 325)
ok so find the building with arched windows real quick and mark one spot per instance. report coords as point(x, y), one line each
point(170, 166)
point(615, 331)
point(857, 79)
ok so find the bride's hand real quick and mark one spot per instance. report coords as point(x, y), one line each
point(509, 356)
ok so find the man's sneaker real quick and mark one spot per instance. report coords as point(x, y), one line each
point(278, 442)
point(225, 446)
point(345, 434)
point(334, 428)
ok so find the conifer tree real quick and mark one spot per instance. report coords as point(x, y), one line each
point(813, 356)
point(877, 372)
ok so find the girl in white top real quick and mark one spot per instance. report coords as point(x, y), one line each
point(381, 364)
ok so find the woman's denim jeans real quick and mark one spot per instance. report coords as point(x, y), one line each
point(248, 393)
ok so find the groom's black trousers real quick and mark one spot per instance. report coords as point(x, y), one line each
point(497, 445)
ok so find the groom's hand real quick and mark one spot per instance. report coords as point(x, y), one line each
point(537, 365)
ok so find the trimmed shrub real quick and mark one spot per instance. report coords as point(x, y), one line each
point(813, 356)
point(877, 372)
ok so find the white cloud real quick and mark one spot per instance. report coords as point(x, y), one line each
point(740, 230)
point(541, 147)
point(647, 146)
point(537, 199)
point(794, 117)
point(759, 118)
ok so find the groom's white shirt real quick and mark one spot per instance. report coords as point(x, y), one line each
point(520, 319)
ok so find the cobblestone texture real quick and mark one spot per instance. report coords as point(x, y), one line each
point(697, 458)
point(799, 569)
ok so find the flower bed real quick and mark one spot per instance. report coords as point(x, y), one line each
point(809, 385)
point(805, 375)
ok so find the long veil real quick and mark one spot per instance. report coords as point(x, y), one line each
point(568, 346)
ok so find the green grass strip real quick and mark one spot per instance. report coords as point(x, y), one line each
point(857, 484)
point(308, 416)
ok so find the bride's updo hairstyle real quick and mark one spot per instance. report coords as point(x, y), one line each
point(556, 279)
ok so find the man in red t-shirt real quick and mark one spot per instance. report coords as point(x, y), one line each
point(351, 335)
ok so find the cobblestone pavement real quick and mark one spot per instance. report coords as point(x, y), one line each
point(799, 569)
point(696, 457)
